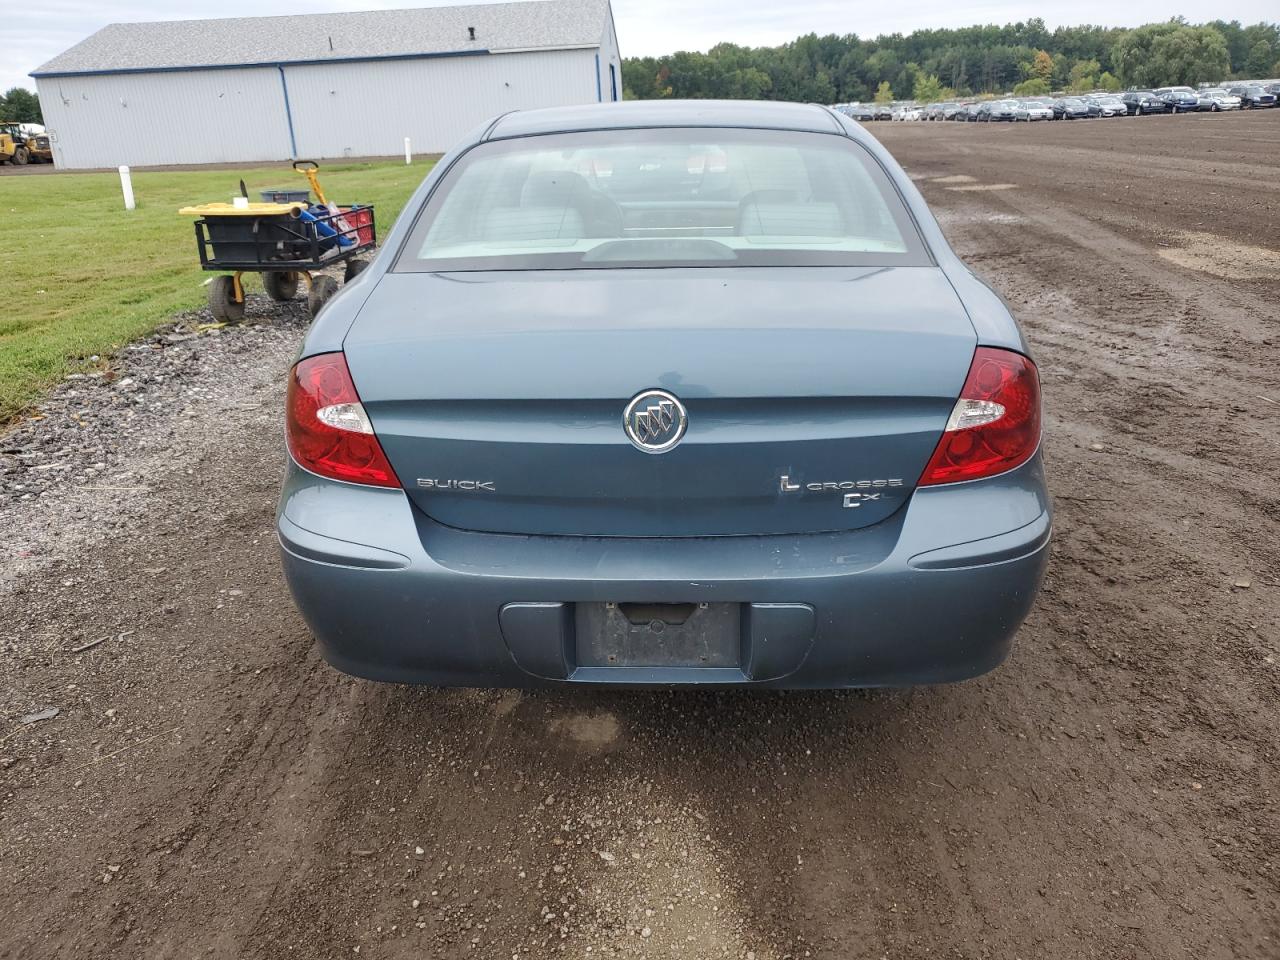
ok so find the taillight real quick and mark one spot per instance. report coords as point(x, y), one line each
point(329, 433)
point(995, 425)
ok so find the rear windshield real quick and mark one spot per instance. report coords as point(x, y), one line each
point(665, 197)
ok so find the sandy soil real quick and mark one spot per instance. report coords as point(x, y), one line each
point(210, 788)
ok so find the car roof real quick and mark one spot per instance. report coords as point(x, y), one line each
point(770, 115)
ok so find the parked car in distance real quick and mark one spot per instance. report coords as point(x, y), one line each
point(1179, 99)
point(882, 111)
point(592, 428)
point(1218, 99)
point(1142, 102)
point(1253, 96)
point(858, 111)
point(1030, 110)
point(1000, 110)
point(971, 112)
point(952, 111)
point(1105, 105)
point(1069, 108)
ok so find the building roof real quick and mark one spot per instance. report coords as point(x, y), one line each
point(335, 37)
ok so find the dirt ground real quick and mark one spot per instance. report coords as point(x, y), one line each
point(211, 788)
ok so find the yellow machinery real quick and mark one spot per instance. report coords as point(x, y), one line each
point(13, 144)
point(39, 148)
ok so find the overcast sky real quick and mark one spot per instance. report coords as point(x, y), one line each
point(34, 32)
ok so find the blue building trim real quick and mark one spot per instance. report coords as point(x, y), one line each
point(264, 63)
point(288, 113)
point(599, 92)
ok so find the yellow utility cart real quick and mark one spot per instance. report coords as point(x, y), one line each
point(285, 242)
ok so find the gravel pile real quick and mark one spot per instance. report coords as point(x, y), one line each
point(85, 461)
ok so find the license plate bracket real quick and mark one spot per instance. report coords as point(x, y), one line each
point(658, 634)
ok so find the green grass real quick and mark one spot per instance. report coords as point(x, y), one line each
point(82, 276)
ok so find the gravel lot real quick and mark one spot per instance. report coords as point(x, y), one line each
point(209, 787)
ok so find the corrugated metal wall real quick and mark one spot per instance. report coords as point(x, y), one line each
point(368, 108)
point(205, 116)
point(342, 109)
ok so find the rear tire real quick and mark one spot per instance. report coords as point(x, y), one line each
point(222, 300)
point(280, 286)
point(354, 269)
point(20, 156)
point(322, 289)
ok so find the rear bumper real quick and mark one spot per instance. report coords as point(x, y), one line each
point(933, 594)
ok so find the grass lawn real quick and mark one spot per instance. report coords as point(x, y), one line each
point(82, 276)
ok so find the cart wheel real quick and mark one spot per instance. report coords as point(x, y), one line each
point(354, 269)
point(222, 300)
point(322, 288)
point(280, 285)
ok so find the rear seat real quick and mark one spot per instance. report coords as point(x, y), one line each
point(533, 223)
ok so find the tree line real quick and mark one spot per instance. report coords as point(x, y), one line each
point(19, 105)
point(931, 65)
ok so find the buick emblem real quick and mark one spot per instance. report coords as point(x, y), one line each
point(655, 421)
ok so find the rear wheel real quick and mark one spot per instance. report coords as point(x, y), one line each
point(354, 269)
point(280, 286)
point(20, 156)
point(322, 288)
point(222, 300)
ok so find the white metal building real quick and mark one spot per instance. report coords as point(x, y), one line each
point(320, 85)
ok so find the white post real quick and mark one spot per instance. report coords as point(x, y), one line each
point(408, 157)
point(126, 185)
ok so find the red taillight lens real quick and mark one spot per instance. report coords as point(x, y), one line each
point(328, 430)
point(995, 425)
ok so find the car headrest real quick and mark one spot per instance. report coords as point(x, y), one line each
point(790, 220)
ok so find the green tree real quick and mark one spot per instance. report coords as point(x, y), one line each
point(978, 59)
point(928, 89)
point(1108, 81)
point(20, 105)
point(1034, 87)
point(1162, 54)
point(1260, 55)
point(750, 83)
point(1083, 76)
point(884, 92)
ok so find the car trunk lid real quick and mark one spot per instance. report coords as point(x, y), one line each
point(814, 396)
